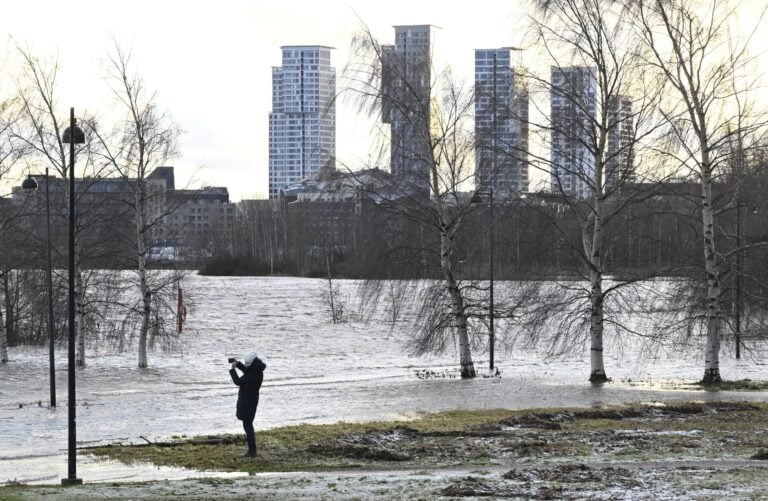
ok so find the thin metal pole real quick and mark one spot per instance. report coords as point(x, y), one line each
point(72, 445)
point(51, 362)
point(491, 333)
point(492, 313)
point(737, 299)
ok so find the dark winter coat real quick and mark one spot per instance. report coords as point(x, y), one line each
point(250, 384)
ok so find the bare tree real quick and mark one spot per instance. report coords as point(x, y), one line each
point(429, 131)
point(601, 113)
point(40, 129)
point(333, 294)
point(10, 152)
point(142, 141)
point(746, 239)
point(692, 44)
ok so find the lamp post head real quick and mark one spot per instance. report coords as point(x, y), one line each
point(73, 135)
point(476, 198)
point(29, 184)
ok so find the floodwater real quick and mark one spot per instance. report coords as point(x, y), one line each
point(316, 372)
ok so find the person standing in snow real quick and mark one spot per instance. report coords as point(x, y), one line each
point(248, 395)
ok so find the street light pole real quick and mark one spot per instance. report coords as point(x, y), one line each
point(492, 313)
point(72, 135)
point(737, 298)
point(51, 365)
point(476, 199)
point(31, 184)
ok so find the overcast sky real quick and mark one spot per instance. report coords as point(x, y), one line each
point(210, 62)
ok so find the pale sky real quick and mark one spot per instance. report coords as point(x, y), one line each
point(210, 62)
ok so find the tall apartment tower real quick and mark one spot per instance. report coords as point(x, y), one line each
point(619, 164)
point(302, 124)
point(572, 114)
point(405, 80)
point(501, 122)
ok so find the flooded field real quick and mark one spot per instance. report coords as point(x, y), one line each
point(317, 372)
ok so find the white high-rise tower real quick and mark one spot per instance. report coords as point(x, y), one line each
point(302, 124)
point(573, 114)
point(406, 93)
point(619, 164)
point(501, 123)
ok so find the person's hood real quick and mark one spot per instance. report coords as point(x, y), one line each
point(252, 360)
point(258, 364)
point(249, 357)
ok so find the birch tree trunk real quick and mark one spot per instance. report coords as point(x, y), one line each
point(146, 297)
point(459, 308)
point(3, 326)
point(713, 90)
point(144, 142)
point(596, 298)
point(3, 340)
point(712, 268)
point(427, 116)
point(595, 251)
point(610, 107)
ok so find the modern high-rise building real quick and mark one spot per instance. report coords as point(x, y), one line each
point(406, 85)
point(573, 101)
point(619, 162)
point(501, 122)
point(302, 124)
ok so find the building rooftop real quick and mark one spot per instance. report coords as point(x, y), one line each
point(307, 47)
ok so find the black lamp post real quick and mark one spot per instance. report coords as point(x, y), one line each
point(31, 184)
point(72, 135)
point(476, 198)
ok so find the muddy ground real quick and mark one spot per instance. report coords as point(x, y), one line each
point(710, 450)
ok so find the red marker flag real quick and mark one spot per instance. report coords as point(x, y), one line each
point(181, 313)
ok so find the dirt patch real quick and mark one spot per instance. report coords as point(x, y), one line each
point(470, 487)
point(573, 473)
point(610, 414)
point(545, 482)
point(555, 421)
point(692, 408)
point(544, 421)
point(536, 447)
point(474, 487)
point(533, 435)
point(374, 445)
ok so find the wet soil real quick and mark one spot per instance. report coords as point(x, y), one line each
point(691, 430)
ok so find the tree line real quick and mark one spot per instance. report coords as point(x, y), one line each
point(117, 211)
point(672, 77)
point(675, 80)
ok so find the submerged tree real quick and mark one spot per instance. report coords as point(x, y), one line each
point(428, 118)
point(692, 44)
point(10, 152)
point(601, 112)
point(142, 141)
point(40, 129)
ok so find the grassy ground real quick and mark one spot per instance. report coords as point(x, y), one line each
point(675, 450)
